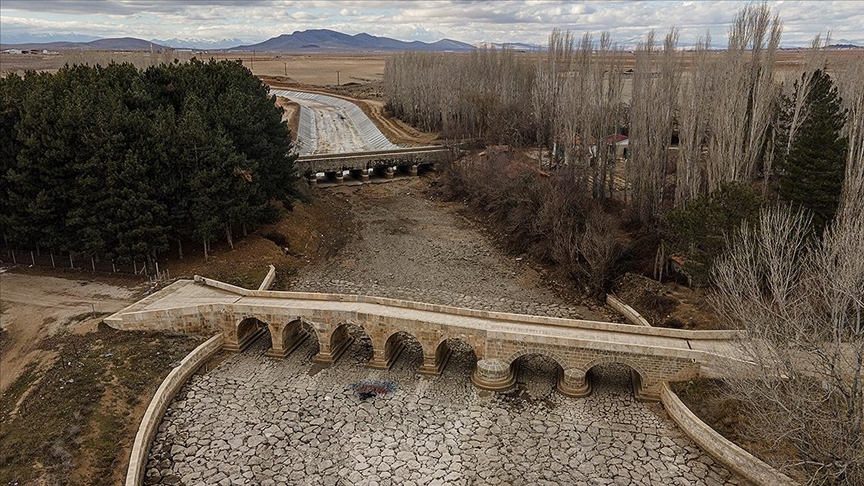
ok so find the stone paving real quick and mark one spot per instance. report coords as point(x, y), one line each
point(258, 420)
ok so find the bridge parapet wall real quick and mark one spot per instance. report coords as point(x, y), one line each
point(577, 358)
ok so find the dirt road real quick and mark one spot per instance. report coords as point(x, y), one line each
point(36, 308)
point(410, 246)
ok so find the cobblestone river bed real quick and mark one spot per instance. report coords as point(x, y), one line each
point(258, 420)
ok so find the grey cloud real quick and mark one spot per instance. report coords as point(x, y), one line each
point(126, 7)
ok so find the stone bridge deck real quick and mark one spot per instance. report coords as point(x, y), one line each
point(206, 306)
point(360, 161)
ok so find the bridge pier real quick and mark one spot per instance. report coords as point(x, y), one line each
point(286, 338)
point(493, 374)
point(383, 359)
point(242, 339)
point(649, 392)
point(329, 352)
point(573, 383)
point(361, 174)
point(433, 364)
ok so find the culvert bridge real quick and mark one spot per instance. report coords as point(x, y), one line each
point(654, 355)
point(335, 136)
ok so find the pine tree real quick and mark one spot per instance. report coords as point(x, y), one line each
point(811, 173)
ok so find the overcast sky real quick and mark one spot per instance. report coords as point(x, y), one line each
point(528, 21)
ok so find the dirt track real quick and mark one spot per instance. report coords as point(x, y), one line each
point(35, 308)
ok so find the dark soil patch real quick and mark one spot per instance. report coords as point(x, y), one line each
point(666, 304)
point(711, 401)
point(77, 424)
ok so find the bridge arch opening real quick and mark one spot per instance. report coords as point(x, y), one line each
point(250, 330)
point(296, 336)
point(613, 377)
point(537, 374)
point(353, 341)
point(455, 357)
point(402, 352)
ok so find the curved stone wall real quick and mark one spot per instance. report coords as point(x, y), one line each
point(163, 396)
point(735, 458)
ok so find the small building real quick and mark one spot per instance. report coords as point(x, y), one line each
point(619, 143)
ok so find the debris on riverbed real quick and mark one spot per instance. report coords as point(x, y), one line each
point(367, 389)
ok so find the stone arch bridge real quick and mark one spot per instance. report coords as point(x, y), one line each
point(654, 355)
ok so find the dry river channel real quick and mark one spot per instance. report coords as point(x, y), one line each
point(252, 419)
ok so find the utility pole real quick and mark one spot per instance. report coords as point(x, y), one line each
point(337, 79)
point(286, 69)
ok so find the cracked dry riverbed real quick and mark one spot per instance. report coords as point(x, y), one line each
point(252, 419)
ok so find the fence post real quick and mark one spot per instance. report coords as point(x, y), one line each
point(52, 260)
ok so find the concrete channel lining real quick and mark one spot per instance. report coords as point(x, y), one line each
point(371, 136)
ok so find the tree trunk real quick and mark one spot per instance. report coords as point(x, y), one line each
point(206, 255)
point(228, 236)
point(180, 248)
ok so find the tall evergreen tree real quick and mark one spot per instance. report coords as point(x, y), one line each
point(114, 162)
point(811, 173)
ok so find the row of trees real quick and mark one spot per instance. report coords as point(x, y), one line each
point(119, 163)
point(764, 196)
point(732, 112)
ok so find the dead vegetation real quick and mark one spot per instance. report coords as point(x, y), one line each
point(73, 422)
point(537, 215)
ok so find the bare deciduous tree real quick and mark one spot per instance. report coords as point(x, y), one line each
point(655, 95)
point(850, 83)
point(801, 304)
point(695, 109)
point(479, 94)
point(744, 93)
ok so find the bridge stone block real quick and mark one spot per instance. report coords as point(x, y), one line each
point(572, 383)
point(493, 374)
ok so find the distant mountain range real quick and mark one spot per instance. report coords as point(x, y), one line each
point(312, 41)
point(118, 44)
point(305, 41)
point(318, 40)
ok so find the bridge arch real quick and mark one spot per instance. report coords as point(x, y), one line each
point(335, 341)
point(391, 346)
point(642, 385)
point(288, 334)
point(245, 331)
point(603, 360)
point(445, 348)
point(540, 351)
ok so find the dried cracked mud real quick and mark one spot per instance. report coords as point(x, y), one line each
point(259, 420)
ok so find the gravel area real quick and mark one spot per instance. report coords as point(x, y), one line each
point(408, 246)
point(258, 420)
